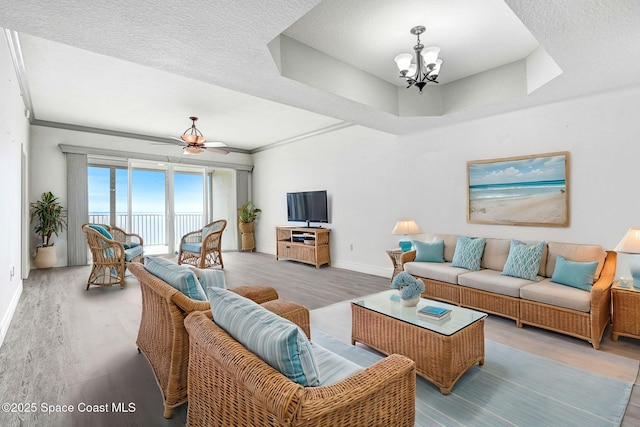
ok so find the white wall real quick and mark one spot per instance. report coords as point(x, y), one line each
point(14, 135)
point(374, 179)
point(49, 173)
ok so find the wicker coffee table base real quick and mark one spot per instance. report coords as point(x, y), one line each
point(439, 359)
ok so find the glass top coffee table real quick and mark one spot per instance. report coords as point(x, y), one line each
point(443, 350)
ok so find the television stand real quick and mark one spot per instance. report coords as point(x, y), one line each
point(305, 244)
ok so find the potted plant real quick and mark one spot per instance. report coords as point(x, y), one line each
point(247, 214)
point(410, 288)
point(48, 218)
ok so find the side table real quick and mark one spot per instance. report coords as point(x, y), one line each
point(394, 255)
point(626, 313)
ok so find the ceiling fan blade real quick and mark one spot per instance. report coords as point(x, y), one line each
point(217, 150)
point(214, 144)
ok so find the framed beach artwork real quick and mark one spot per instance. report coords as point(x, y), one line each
point(528, 190)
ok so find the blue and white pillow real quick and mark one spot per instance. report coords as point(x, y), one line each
point(100, 229)
point(277, 341)
point(333, 368)
point(575, 274)
point(468, 253)
point(179, 276)
point(209, 277)
point(523, 260)
point(429, 251)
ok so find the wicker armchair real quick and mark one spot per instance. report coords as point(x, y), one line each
point(203, 248)
point(111, 256)
point(230, 386)
point(163, 339)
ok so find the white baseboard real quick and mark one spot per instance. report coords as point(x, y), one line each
point(6, 320)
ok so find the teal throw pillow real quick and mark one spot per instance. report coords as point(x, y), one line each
point(179, 276)
point(523, 260)
point(100, 229)
point(468, 253)
point(429, 251)
point(274, 339)
point(576, 274)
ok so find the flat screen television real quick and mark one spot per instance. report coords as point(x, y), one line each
point(307, 206)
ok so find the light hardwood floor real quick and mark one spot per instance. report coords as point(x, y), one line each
point(68, 346)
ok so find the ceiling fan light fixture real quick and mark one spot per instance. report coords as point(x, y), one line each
point(423, 66)
point(192, 149)
point(193, 135)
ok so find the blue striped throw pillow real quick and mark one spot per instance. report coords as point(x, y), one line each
point(277, 341)
point(179, 276)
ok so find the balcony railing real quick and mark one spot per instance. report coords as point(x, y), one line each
point(152, 226)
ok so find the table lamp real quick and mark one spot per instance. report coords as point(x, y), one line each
point(406, 227)
point(630, 244)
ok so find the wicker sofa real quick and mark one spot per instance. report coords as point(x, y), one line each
point(231, 386)
point(162, 337)
point(542, 303)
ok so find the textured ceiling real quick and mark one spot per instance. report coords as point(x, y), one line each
point(211, 59)
point(368, 34)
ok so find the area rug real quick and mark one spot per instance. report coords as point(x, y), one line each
point(512, 388)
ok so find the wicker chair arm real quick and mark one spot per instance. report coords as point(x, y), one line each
point(385, 389)
point(258, 294)
point(408, 256)
point(212, 240)
point(601, 289)
point(189, 305)
point(109, 250)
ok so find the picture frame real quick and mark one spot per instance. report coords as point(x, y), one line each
point(530, 190)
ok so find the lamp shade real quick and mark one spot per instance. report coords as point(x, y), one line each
point(630, 243)
point(403, 61)
point(430, 55)
point(406, 226)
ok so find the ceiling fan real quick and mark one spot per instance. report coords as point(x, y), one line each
point(193, 142)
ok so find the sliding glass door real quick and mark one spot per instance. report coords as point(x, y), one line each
point(149, 208)
point(190, 200)
point(161, 201)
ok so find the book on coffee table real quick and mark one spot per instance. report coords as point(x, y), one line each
point(433, 312)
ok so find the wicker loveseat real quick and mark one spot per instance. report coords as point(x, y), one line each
point(231, 386)
point(541, 302)
point(163, 339)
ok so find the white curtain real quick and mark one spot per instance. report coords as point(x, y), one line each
point(77, 208)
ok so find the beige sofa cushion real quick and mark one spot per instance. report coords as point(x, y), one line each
point(574, 252)
point(493, 281)
point(495, 253)
point(556, 294)
point(441, 271)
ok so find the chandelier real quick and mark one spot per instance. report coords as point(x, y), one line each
point(421, 68)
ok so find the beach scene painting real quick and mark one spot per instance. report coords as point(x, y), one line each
point(529, 190)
